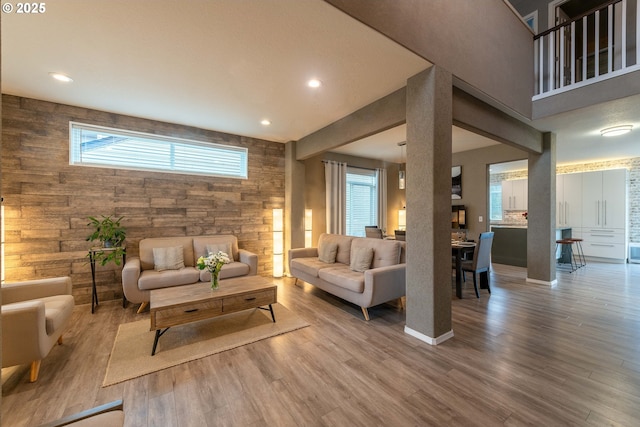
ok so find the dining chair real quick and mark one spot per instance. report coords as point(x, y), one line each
point(481, 261)
point(373, 231)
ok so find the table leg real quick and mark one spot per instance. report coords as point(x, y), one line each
point(459, 273)
point(124, 261)
point(159, 333)
point(273, 316)
point(94, 292)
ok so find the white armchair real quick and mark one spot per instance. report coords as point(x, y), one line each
point(35, 313)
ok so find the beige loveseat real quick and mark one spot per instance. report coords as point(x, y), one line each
point(35, 313)
point(331, 265)
point(143, 273)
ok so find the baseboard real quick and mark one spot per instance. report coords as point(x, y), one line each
point(422, 337)
point(554, 282)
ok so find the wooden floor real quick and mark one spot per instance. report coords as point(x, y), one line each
point(526, 355)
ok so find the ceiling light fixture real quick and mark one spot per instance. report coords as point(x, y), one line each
point(616, 130)
point(265, 122)
point(314, 83)
point(61, 77)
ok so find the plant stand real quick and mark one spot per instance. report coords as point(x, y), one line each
point(92, 260)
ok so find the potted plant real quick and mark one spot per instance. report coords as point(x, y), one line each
point(111, 234)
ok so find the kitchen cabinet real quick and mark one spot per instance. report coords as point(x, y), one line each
point(604, 213)
point(569, 200)
point(604, 199)
point(514, 195)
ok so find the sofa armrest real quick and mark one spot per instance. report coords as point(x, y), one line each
point(117, 418)
point(250, 259)
point(130, 274)
point(385, 283)
point(34, 289)
point(303, 253)
point(23, 332)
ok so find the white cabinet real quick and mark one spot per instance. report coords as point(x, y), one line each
point(569, 200)
point(604, 199)
point(514, 195)
point(604, 213)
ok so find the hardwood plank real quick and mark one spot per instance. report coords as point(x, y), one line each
point(526, 355)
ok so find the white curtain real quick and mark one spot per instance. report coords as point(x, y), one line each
point(335, 175)
point(382, 198)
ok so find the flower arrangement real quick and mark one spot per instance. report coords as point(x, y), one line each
point(526, 215)
point(213, 263)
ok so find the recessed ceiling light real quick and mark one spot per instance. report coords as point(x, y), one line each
point(314, 83)
point(265, 122)
point(61, 77)
point(616, 130)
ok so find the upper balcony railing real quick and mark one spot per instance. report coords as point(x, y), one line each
point(597, 45)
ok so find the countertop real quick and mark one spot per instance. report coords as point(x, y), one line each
point(521, 226)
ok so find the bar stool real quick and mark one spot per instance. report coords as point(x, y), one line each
point(567, 245)
point(579, 250)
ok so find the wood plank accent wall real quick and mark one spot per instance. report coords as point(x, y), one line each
point(47, 201)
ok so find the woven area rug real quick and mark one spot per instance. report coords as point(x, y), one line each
point(131, 353)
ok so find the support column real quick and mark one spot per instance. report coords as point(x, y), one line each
point(294, 203)
point(541, 233)
point(429, 121)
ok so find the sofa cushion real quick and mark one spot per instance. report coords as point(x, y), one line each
point(361, 258)
point(233, 269)
point(170, 258)
point(146, 249)
point(214, 248)
point(327, 252)
point(344, 246)
point(310, 266)
point(57, 309)
point(385, 252)
point(200, 245)
point(151, 279)
point(344, 277)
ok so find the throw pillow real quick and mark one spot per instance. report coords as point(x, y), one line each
point(214, 248)
point(361, 259)
point(170, 258)
point(327, 252)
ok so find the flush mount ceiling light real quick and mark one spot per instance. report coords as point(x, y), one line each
point(616, 130)
point(314, 83)
point(265, 122)
point(61, 77)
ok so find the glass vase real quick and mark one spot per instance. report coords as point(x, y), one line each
point(214, 280)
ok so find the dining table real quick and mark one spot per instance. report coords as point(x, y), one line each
point(458, 250)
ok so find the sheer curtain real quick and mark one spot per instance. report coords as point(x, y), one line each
point(335, 176)
point(382, 198)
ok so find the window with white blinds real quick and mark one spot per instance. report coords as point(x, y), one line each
point(115, 148)
point(362, 200)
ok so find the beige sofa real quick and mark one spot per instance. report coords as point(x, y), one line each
point(382, 280)
point(142, 274)
point(35, 313)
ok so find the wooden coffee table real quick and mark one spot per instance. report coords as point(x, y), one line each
point(189, 303)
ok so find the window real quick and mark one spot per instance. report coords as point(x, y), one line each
point(532, 21)
point(114, 148)
point(495, 202)
point(362, 200)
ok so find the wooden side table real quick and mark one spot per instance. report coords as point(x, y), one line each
point(92, 260)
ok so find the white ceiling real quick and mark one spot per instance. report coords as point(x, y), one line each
point(227, 64)
point(223, 65)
